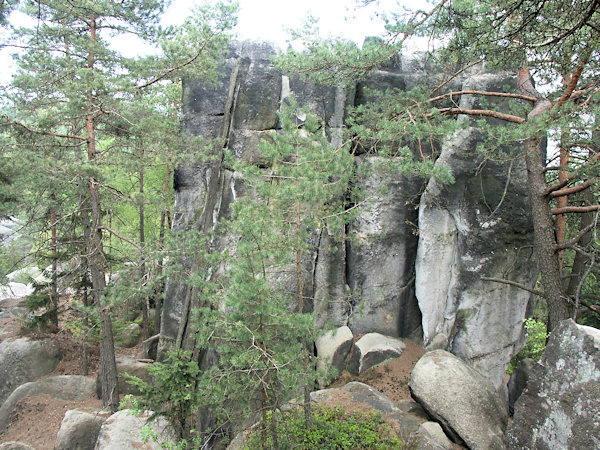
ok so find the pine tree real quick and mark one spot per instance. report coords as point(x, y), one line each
point(260, 327)
point(72, 97)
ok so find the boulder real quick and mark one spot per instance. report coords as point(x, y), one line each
point(79, 430)
point(478, 226)
point(518, 382)
point(15, 446)
point(333, 348)
point(15, 290)
point(17, 311)
point(129, 336)
point(561, 406)
point(124, 430)
point(465, 403)
point(431, 437)
point(133, 367)
point(439, 342)
point(150, 347)
point(63, 387)
point(405, 424)
point(24, 360)
point(373, 349)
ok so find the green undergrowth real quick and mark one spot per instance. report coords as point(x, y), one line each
point(333, 428)
point(534, 346)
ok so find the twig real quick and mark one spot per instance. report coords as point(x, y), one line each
point(123, 238)
point(519, 285)
point(572, 242)
point(457, 73)
point(580, 285)
point(505, 189)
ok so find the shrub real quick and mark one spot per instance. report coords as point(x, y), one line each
point(333, 428)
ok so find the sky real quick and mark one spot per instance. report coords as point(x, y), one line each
point(267, 20)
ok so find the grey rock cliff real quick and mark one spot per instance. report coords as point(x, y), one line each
point(372, 278)
point(478, 226)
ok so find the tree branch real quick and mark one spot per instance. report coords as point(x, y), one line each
point(571, 30)
point(44, 133)
point(573, 190)
point(575, 76)
point(481, 112)
point(177, 67)
point(123, 238)
point(555, 187)
point(514, 283)
point(457, 73)
point(575, 209)
point(485, 94)
point(571, 242)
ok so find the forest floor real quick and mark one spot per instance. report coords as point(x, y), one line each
point(36, 420)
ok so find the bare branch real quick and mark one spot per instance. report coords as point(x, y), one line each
point(485, 94)
point(177, 67)
point(573, 190)
point(571, 242)
point(481, 112)
point(555, 187)
point(519, 285)
point(575, 76)
point(457, 73)
point(575, 209)
point(123, 238)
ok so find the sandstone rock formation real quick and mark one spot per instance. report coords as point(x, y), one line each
point(477, 226)
point(79, 430)
point(561, 406)
point(372, 278)
point(24, 360)
point(461, 399)
point(123, 430)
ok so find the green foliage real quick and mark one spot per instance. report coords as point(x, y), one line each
point(535, 345)
point(173, 393)
point(333, 428)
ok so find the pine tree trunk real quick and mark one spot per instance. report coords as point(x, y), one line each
point(96, 264)
point(54, 248)
point(543, 225)
point(95, 254)
point(144, 300)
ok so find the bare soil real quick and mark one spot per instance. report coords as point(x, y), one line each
point(36, 420)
